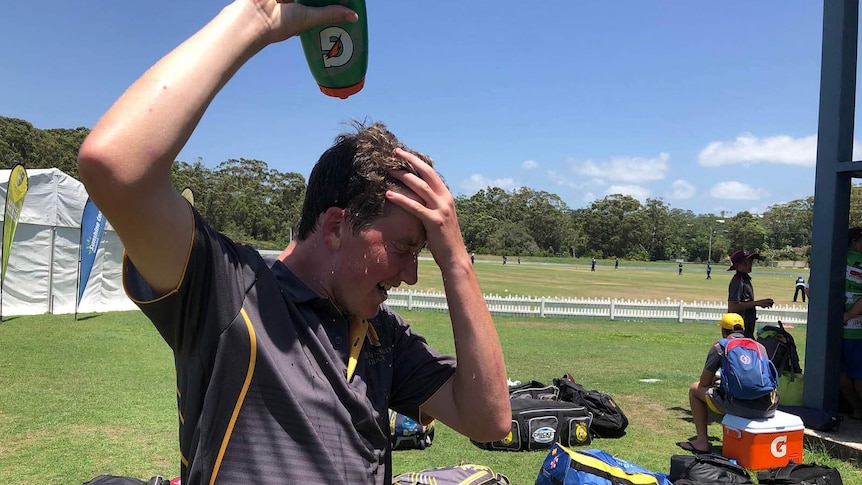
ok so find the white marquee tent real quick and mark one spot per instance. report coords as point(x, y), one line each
point(42, 275)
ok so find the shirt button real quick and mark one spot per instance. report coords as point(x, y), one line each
point(337, 340)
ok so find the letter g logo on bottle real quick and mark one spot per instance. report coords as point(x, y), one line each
point(778, 448)
point(337, 46)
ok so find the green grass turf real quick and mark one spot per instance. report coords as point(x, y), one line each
point(97, 395)
point(82, 398)
point(633, 280)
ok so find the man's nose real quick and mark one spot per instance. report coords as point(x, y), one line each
point(410, 273)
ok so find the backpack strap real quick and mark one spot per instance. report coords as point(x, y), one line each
point(721, 344)
point(784, 473)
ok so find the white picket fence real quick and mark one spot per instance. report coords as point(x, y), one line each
point(604, 308)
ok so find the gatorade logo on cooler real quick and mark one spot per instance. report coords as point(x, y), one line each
point(779, 446)
point(337, 46)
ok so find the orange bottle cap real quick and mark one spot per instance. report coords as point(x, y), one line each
point(344, 92)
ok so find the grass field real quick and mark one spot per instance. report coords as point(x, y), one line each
point(82, 398)
point(633, 280)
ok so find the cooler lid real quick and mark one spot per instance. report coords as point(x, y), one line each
point(780, 422)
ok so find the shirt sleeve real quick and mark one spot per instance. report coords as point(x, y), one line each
point(213, 285)
point(419, 370)
point(734, 290)
point(713, 358)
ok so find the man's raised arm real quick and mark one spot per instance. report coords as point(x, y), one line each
point(125, 162)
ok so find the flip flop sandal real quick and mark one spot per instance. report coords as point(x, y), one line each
point(687, 446)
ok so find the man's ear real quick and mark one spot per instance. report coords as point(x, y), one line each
point(333, 226)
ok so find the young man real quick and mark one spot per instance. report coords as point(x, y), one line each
point(285, 369)
point(706, 393)
point(740, 292)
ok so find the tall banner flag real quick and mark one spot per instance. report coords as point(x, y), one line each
point(92, 228)
point(16, 190)
point(189, 195)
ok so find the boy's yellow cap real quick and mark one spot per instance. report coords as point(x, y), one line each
point(731, 321)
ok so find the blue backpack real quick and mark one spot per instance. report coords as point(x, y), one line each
point(746, 371)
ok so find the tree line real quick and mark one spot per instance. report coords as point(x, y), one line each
point(253, 203)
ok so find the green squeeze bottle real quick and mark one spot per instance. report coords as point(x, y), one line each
point(337, 53)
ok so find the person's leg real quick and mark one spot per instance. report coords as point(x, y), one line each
point(700, 415)
point(857, 388)
point(852, 390)
point(749, 329)
point(795, 294)
point(851, 371)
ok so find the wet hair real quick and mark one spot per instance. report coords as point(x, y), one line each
point(354, 175)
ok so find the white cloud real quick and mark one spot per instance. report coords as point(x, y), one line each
point(734, 190)
point(530, 164)
point(624, 169)
point(682, 190)
point(781, 149)
point(636, 191)
point(563, 180)
point(477, 182)
point(560, 179)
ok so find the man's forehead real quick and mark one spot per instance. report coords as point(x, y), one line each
point(400, 225)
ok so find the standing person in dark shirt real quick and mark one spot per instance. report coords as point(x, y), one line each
point(740, 292)
point(708, 270)
point(286, 368)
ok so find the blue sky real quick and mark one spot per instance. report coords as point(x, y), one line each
point(711, 106)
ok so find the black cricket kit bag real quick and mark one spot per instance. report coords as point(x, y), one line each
point(463, 474)
point(780, 347)
point(538, 423)
point(706, 469)
point(407, 434)
point(534, 390)
point(800, 473)
point(609, 421)
point(781, 350)
point(563, 466)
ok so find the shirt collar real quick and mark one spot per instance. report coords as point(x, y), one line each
point(292, 287)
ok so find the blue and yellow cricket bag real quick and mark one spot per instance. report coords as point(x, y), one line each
point(407, 434)
point(563, 466)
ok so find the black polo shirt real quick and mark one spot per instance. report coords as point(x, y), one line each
point(261, 365)
point(741, 290)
